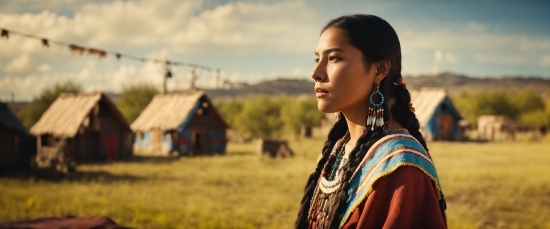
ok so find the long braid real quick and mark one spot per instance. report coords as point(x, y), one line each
point(338, 131)
point(356, 156)
point(404, 116)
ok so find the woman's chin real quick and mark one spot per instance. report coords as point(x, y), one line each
point(325, 108)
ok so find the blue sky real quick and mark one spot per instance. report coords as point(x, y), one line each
point(255, 40)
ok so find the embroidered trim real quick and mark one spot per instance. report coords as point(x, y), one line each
point(369, 191)
point(377, 144)
point(404, 150)
point(386, 158)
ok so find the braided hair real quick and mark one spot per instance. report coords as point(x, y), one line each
point(377, 40)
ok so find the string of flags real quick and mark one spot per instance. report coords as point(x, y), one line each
point(100, 53)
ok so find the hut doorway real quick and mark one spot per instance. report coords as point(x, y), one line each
point(445, 124)
point(111, 146)
point(445, 127)
point(156, 141)
point(200, 142)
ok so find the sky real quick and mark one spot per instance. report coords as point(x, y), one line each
point(250, 41)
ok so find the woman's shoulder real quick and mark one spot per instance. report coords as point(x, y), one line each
point(399, 140)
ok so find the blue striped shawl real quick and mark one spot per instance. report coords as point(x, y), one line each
point(384, 157)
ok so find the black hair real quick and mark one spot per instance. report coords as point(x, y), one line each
point(377, 40)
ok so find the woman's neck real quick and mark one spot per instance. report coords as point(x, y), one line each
point(356, 128)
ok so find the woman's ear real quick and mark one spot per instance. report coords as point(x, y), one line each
point(382, 70)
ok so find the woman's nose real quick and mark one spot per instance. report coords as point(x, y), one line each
point(318, 74)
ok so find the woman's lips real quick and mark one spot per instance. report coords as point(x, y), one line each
point(319, 92)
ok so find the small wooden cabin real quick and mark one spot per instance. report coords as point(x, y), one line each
point(81, 127)
point(13, 141)
point(184, 123)
point(438, 117)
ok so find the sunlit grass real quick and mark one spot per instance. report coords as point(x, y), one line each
point(487, 185)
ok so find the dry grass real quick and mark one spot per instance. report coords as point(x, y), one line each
point(487, 185)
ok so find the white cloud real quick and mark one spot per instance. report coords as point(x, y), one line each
point(545, 61)
point(472, 43)
point(299, 71)
point(25, 87)
point(239, 27)
point(43, 68)
point(142, 28)
point(441, 57)
point(18, 64)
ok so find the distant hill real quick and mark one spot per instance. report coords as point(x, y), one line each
point(295, 87)
point(453, 83)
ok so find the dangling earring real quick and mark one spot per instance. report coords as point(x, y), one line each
point(375, 116)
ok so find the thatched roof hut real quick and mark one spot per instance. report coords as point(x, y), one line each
point(438, 117)
point(69, 112)
point(13, 136)
point(81, 127)
point(166, 111)
point(179, 123)
point(9, 121)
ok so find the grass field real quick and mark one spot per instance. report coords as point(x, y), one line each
point(487, 185)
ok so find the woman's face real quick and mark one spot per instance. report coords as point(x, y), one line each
point(342, 81)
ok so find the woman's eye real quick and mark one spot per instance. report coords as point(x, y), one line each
point(316, 60)
point(333, 58)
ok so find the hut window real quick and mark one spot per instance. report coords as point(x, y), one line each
point(205, 107)
point(46, 140)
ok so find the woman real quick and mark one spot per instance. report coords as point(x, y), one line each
point(375, 170)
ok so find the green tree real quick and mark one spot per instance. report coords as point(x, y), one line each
point(134, 99)
point(40, 103)
point(534, 118)
point(230, 110)
point(260, 117)
point(527, 101)
point(264, 116)
point(496, 102)
point(298, 112)
point(530, 106)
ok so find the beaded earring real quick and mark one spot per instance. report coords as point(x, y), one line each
point(375, 117)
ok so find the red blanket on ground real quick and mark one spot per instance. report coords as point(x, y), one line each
point(67, 222)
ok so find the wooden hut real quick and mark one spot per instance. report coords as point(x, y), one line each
point(496, 127)
point(438, 117)
point(176, 124)
point(81, 127)
point(13, 141)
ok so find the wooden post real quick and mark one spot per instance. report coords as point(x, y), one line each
point(218, 78)
point(193, 79)
point(164, 76)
